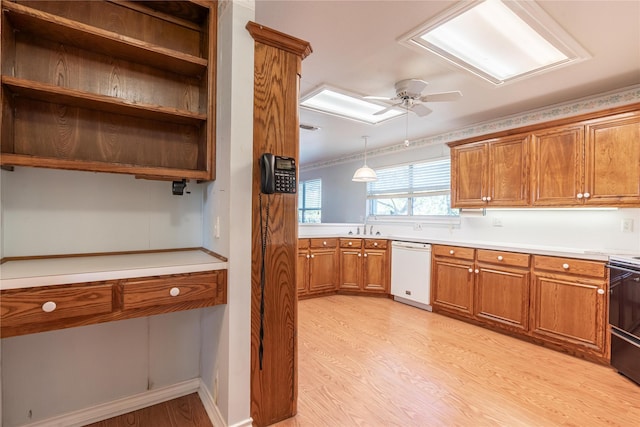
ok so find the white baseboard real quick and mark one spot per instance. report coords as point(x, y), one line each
point(125, 405)
point(214, 412)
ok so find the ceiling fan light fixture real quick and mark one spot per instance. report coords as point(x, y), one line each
point(365, 173)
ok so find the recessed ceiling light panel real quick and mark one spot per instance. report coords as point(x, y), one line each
point(342, 104)
point(498, 41)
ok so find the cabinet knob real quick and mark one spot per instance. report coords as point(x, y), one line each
point(477, 271)
point(359, 254)
point(451, 252)
point(500, 258)
point(350, 243)
point(579, 195)
point(600, 291)
point(174, 292)
point(488, 198)
point(313, 256)
point(471, 270)
point(308, 256)
point(49, 306)
point(587, 195)
point(365, 255)
point(324, 243)
point(565, 266)
point(375, 243)
point(484, 199)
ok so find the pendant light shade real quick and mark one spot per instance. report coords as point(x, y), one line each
point(365, 173)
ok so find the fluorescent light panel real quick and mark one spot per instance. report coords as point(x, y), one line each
point(340, 104)
point(498, 41)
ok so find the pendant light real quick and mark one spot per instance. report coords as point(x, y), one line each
point(365, 173)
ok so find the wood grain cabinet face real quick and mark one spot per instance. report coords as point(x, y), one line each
point(502, 289)
point(570, 308)
point(494, 173)
point(453, 281)
point(612, 161)
point(145, 293)
point(128, 95)
point(364, 265)
point(323, 265)
point(44, 305)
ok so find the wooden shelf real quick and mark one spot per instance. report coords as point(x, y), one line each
point(61, 95)
point(84, 36)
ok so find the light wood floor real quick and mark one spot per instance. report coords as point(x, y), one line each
point(374, 362)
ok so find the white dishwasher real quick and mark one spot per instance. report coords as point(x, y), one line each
point(411, 273)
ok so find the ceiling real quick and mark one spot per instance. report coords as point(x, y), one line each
point(355, 48)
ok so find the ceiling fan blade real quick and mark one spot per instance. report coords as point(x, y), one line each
point(442, 97)
point(421, 109)
point(381, 98)
point(416, 86)
point(377, 113)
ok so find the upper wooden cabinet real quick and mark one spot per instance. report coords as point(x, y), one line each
point(133, 94)
point(491, 173)
point(592, 160)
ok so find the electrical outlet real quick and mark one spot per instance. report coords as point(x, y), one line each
point(627, 225)
point(216, 228)
point(497, 221)
point(417, 226)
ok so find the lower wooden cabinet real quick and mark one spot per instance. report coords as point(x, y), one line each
point(570, 308)
point(556, 301)
point(453, 280)
point(502, 289)
point(364, 265)
point(317, 266)
point(45, 308)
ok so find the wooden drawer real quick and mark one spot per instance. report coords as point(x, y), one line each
point(143, 293)
point(324, 243)
point(303, 243)
point(454, 252)
point(350, 243)
point(36, 305)
point(375, 244)
point(570, 266)
point(503, 258)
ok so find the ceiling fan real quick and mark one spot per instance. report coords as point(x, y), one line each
point(409, 96)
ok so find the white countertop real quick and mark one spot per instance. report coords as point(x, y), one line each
point(498, 246)
point(79, 269)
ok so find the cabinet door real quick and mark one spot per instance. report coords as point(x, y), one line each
point(558, 166)
point(376, 271)
point(350, 269)
point(612, 161)
point(452, 286)
point(502, 296)
point(322, 270)
point(302, 273)
point(569, 310)
point(508, 172)
point(468, 180)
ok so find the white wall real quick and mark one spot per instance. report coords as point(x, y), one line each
point(225, 366)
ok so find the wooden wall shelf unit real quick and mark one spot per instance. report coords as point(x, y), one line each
point(588, 160)
point(133, 95)
point(40, 294)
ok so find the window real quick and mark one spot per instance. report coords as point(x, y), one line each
point(419, 189)
point(310, 201)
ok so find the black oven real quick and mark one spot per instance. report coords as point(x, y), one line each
point(624, 315)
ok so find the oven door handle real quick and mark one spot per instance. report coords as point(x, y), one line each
point(616, 267)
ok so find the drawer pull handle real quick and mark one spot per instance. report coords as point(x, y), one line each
point(375, 243)
point(565, 266)
point(350, 243)
point(451, 252)
point(49, 306)
point(500, 258)
point(600, 291)
point(324, 243)
point(174, 292)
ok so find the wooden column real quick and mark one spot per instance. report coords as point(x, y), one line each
point(278, 60)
